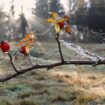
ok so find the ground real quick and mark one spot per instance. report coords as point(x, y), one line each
point(64, 85)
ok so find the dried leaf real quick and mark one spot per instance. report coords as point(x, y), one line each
point(27, 48)
point(51, 20)
point(54, 15)
point(28, 40)
point(57, 28)
point(68, 29)
point(61, 20)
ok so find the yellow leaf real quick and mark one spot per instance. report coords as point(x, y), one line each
point(54, 15)
point(57, 28)
point(61, 20)
point(27, 49)
point(51, 20)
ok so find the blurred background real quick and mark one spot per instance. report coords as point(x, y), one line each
point(64, 85)
point(20, 16)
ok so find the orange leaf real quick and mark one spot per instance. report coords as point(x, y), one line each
point(29, 39)
point(68, 29)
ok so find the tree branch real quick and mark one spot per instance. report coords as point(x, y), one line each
point(12, 63)
point(49, 66)
point(36, 67)
point(59, 47)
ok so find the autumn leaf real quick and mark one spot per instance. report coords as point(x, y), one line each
point(28, 40)
point(57, 28)
point(68, 29)
point(51, 20)
point(27, 49)
point(54, 15)
point(61, 20)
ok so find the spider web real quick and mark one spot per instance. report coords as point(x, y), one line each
point(82, 52)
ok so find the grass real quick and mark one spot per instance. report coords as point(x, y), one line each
point(51, 95)
point(42, 87)
point(27, 102)
point(5, 102)
point(85, 98)
point(65, 85)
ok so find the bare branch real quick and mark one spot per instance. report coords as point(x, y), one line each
point(59, 47)
point(12, 63)
point(49, 66)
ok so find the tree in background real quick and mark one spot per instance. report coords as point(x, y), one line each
point(12, 21)
point(23, 24)
point(41, 9)
point(56, 6)
point(4, 23)
point(96, 16)
point(93, 17)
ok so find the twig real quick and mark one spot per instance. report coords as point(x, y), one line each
point(99, 61)
point(29, 60)
point(48, 66)
point(59, 47)
point(12, 63)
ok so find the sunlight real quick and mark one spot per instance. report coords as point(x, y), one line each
point(88, 4)
point(65, 4)
point(25, 5)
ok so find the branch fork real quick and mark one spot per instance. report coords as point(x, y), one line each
point(49, 66)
